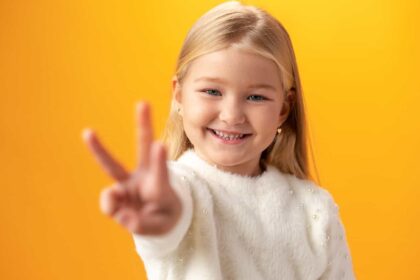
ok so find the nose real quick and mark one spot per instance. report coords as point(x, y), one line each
point(231, 112)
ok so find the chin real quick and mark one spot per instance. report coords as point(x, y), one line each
point(227, 160)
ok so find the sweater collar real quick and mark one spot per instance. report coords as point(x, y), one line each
point(191, 159)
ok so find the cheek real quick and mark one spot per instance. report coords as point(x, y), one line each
point(199, 113)
point(265, 120)
point(195, 120)
point(265, 125)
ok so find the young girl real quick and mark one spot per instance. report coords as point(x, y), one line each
point(235, 200)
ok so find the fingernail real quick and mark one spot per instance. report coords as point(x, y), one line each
point(155, 146)
point(159, 145)
point(86, 133)
point(159, 142)
point(140, 105)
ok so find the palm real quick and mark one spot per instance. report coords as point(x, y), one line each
point(142, 200)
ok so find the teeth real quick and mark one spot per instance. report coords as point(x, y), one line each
point(228, 136)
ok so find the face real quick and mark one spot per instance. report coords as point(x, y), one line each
point(231, 103)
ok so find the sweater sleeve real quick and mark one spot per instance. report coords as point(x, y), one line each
point(339, 265)
point(150, 246)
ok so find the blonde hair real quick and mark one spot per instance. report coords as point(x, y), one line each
point(252, 29)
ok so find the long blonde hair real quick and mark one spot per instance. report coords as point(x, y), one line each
point(255, 30)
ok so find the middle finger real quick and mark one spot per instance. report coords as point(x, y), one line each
point(144, 135)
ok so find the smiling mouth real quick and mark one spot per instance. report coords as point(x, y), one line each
point(227, 136)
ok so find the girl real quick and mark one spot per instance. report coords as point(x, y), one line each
point(235, 200)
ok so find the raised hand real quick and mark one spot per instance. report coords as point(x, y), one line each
point(142, 200)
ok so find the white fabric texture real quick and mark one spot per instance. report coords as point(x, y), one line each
point(273, 226)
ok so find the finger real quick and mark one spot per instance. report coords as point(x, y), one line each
point(154, 185)
point(144, 135)
point(111, 199)
point(127, 217)
point(152, 220)
point(159, 166)
point(103, 157)
point(155, 220)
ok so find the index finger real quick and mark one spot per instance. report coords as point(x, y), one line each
point(144, 135)
point(103, 157)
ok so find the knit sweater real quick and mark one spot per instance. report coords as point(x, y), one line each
point(271, 226)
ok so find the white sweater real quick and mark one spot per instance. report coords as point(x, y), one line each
point(273, 226)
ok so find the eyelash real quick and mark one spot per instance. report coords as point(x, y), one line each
point(260, 96)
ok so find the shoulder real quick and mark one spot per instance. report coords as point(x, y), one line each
point(316, 203)
point(311, 193)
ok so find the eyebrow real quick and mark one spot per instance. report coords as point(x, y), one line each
point(220, 80)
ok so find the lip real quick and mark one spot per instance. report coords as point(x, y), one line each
point(230, 142)
point(229, 132)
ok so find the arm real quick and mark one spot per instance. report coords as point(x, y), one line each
point(339, 261)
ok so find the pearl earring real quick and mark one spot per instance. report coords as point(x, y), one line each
point(278, 130)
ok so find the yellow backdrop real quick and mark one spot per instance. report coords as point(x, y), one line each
point(66, 65)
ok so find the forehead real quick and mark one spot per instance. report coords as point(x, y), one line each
point(235, 65)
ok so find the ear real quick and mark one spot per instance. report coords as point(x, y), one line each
point(287, 105)
point(176, 90)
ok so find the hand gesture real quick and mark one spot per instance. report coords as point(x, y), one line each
point(143, 200)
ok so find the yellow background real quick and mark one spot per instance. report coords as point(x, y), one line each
point(66, 65)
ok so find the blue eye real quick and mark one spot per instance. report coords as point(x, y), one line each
point(210, 90)
point(215, 92)
point(258, 97)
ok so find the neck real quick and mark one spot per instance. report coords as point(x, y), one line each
point(246, 169)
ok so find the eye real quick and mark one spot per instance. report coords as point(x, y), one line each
point(211, 91)
point(257, 97)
